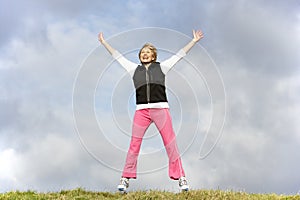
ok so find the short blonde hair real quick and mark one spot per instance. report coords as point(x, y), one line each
point(152, 48)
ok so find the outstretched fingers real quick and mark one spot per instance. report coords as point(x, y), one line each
point(198, 35)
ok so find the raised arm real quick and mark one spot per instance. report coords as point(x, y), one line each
point(127, 64)
point(169, 63)
point(109, 48)
point(198, 35)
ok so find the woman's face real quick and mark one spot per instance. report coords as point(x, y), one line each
point(146, 55)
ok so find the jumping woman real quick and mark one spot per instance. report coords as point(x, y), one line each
point(151, 106)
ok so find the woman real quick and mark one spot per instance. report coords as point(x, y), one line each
point(151, 106)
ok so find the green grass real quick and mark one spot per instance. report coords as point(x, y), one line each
point(81, 194)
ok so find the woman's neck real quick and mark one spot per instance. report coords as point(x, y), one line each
point(147, 65)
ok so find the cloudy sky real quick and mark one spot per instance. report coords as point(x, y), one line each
point(66, 106)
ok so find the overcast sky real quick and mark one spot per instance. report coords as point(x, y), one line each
point(66, 107)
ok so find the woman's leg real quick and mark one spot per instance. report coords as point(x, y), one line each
point(141, 122)
point(163, 121)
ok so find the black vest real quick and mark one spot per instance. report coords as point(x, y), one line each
point(149, 84)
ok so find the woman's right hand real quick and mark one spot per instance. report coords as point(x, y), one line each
point(109, 48)
point(100, 37)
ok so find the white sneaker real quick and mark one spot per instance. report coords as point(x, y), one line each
point(124, 184)
point(183, 185)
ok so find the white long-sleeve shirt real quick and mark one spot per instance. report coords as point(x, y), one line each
point(165, 67)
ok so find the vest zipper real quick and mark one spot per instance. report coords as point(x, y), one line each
point(148, 86)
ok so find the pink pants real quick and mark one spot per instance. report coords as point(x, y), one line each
point(142, 120)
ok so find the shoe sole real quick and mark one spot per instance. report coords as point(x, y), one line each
point(184, 189)
point(122, 189)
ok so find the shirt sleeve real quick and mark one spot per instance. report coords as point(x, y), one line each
point(169, 63)
point(124, 62)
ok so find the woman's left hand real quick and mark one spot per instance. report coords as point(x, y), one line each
point(198, 35)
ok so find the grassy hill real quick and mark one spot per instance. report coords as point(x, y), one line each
point(80, 194)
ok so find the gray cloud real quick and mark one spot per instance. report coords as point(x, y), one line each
point(254, 44)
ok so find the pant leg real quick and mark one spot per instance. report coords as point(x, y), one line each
point(163, 121)
point(141, 122)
